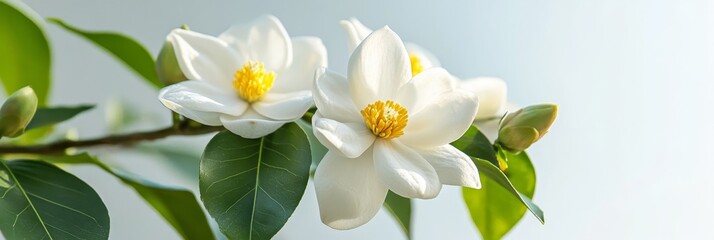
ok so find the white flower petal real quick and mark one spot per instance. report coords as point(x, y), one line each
point(356, 32)
point(378, 67)
point(491, 94)
point(284, 106)
point(426, 58)
point(201, 101)
point(251, 124)
point(309, 54)
point(453, 166)
point(350, 139)
point(424, 88)
point(441, 122)
point(404, 171)
point(263, 39)
point(331, 95)
point(349, 192)
point(205, 58)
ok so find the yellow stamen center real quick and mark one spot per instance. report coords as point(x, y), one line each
point(416, 64)
point(252, 81)
point(385, 119)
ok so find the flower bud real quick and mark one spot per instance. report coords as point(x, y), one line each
point(17, 111)
point(167, 67)
point(524, 127)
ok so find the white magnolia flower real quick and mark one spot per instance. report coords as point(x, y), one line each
point(252, 79)
point(387, 130)
point(491, 91)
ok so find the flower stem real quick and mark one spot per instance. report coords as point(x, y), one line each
point(59, 147)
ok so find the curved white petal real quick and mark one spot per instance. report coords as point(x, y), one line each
point(378, 67)
point(251, 124)
point(284, 106)
point(263, 39)
point(441, 122)
point(356, 32)
point(350, 139)
point(201, 101)
point(453, 166)
point(331, 95)
point(349, 192)
point(205, 58)
point(404, 171)
point(309, 54)
point(424, 88)
point(491, 94)
point(426, 58)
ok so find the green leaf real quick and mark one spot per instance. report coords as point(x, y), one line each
point(41, 201)
point(24, 51)
point(401, 209)
point(178, 206)
point(317, 150)
point(499, 204)
point(474, 143)
point(128, 50)
point(50, 116)
point(252, 186)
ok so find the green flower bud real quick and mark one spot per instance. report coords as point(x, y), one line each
point(524, 127)
point(17, 111)
point(167, 67)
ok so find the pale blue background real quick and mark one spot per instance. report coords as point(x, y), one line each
point(628, 157)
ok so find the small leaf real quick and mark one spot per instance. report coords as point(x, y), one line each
point(493, 208)
point(42, 201)
point(24, 51)
point(252, 186)
point(492, 172)
point(401, 209)
point(178, 206)
point(474, 143)
point(128, 50)
point(317, 150)
point(54, 115)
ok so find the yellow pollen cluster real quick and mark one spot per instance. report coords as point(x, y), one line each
point(416, 64)
point(252, 81)
point(386, 120)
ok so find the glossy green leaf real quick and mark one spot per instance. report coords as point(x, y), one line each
point(178, 206)
point(42, 201)
point(54, 115)
point(252, 186)
point(474, 143)
point(128, 50)
point(493, 208)
point(318, 151)
point(401, 209)
point(24, 51)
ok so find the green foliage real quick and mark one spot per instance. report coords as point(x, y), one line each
point(493, 208)
point(252, 186)
point(54, 115)
point(501, 202)
point(24, 52)
point(474, 143)
point(401, 209)
point(17, 111)
point(317, 150)
point(167, 66)
point(128, 50)
point(178, 206)
point(41, 201)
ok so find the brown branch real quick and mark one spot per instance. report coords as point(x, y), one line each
point(126, 139)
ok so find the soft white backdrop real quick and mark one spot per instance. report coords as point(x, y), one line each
point(628, 157)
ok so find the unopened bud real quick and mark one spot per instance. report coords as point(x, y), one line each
point(167, 67)
point(524, 127)
point(17, 111)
